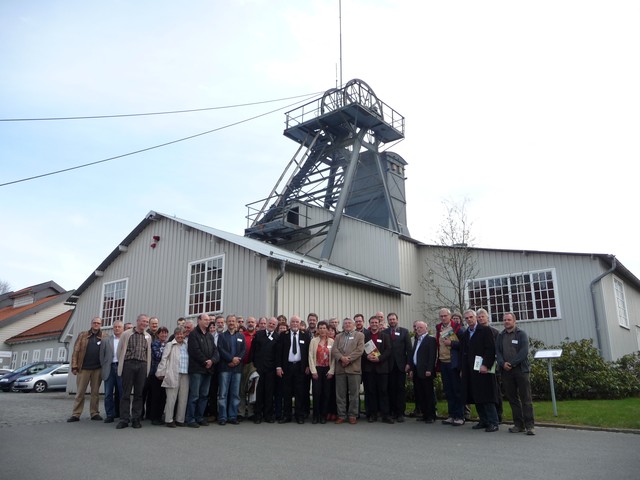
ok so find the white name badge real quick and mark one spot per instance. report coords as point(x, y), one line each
point(239, 340)
point(270, 338)
point(514, 341)
point(379, 340)
point(329, 347)
point(302, 341)
point(397, 334)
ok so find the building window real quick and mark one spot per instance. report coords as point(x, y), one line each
point(621, 303)
point(205, 286)
point(14, 360)
point(62, 354)
point(530, 295)
point(48, 355)
point(35, 356)
point(114, 297)
point(24, 358)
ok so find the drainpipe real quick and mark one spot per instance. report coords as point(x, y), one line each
point(593, 300)
point(275, 288)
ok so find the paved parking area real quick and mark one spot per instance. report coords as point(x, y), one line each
point(36, 441)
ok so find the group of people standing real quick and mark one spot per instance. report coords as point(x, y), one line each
point(229, 369)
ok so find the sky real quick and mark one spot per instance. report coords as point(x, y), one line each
point(529, 110)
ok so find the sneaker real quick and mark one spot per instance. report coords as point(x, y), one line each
point(515, 429)
point(531, 431)
point(458, 422)
point(448, 421)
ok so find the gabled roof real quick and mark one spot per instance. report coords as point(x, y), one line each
point(11, 314)
point(49, 330)
point(270, 251)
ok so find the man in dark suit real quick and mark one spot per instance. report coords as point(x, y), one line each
point(375, 371)
point(423, 371)
point(478, 383)
point(292, 365)
point(263, 356)
point(399, 366)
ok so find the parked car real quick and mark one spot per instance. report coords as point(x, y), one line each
point(4, 371)
point(6, 382)
point(52, 378)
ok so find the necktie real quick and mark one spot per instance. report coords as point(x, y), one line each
point(295, 343)
point(393, 334)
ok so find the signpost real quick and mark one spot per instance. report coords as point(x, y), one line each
point(550, 354)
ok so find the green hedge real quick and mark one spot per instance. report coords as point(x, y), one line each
point(580, 373)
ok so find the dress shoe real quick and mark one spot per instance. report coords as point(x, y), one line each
point(479, 426)
point(180, 424)
point(492, 428)
point(370, 419)
point(257, 420)
point(108, 420)
point(339, 420)
point(203, 423)
point(284, 420)
point(270, 420)
point(400, 419)
point(388, 420)
point(353, 420)
point(314, 420)
point(429, 420)
point(300, 420)
point(136, 424)
point(222, 423)
point(193, 425)
point(157, 422)
point(171, 424)
point(234, 421)
point(122, 424)
point(323, 420)
point(240, 418)
point(73, 419)
point(97, 417)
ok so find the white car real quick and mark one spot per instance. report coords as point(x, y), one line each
point(52, 378)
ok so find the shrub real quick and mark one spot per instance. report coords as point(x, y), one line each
point(580, 373)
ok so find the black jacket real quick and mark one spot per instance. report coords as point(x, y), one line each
point(201, 347)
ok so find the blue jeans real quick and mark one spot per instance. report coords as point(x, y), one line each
point(198, 396)
point(452, 389)
point(228, 396)
point(110, 385)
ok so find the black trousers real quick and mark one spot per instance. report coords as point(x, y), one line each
point(293, 385)
point(397, 392)
point(321, 389)
point(134, 377)
point(425, 397)
point(265, 392)
point(376, 393)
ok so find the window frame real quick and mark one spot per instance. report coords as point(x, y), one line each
point(108, 319)
point(24, 358)
point(527, 296)
point(48, 355)
point(622, 311)
point(62, 354)
point(14, 360)
point(194, 312)
point(35, 356)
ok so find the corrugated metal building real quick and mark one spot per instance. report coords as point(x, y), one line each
point(170, 268)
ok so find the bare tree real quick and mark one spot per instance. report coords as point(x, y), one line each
point(4, 287)
point(451, 263)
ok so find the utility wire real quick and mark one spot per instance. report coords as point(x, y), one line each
point(155, 146)
point(156, 113)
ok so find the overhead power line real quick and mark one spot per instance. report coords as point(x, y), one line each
point(156, 146)
point(171, 112)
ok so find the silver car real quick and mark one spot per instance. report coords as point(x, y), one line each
point(51, 378)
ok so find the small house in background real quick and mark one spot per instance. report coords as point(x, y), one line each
point(31, 322)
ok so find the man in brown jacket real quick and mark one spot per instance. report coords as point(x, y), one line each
point(347, 352)
point(85, 365)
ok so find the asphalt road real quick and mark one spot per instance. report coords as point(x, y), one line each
point(36, 442)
